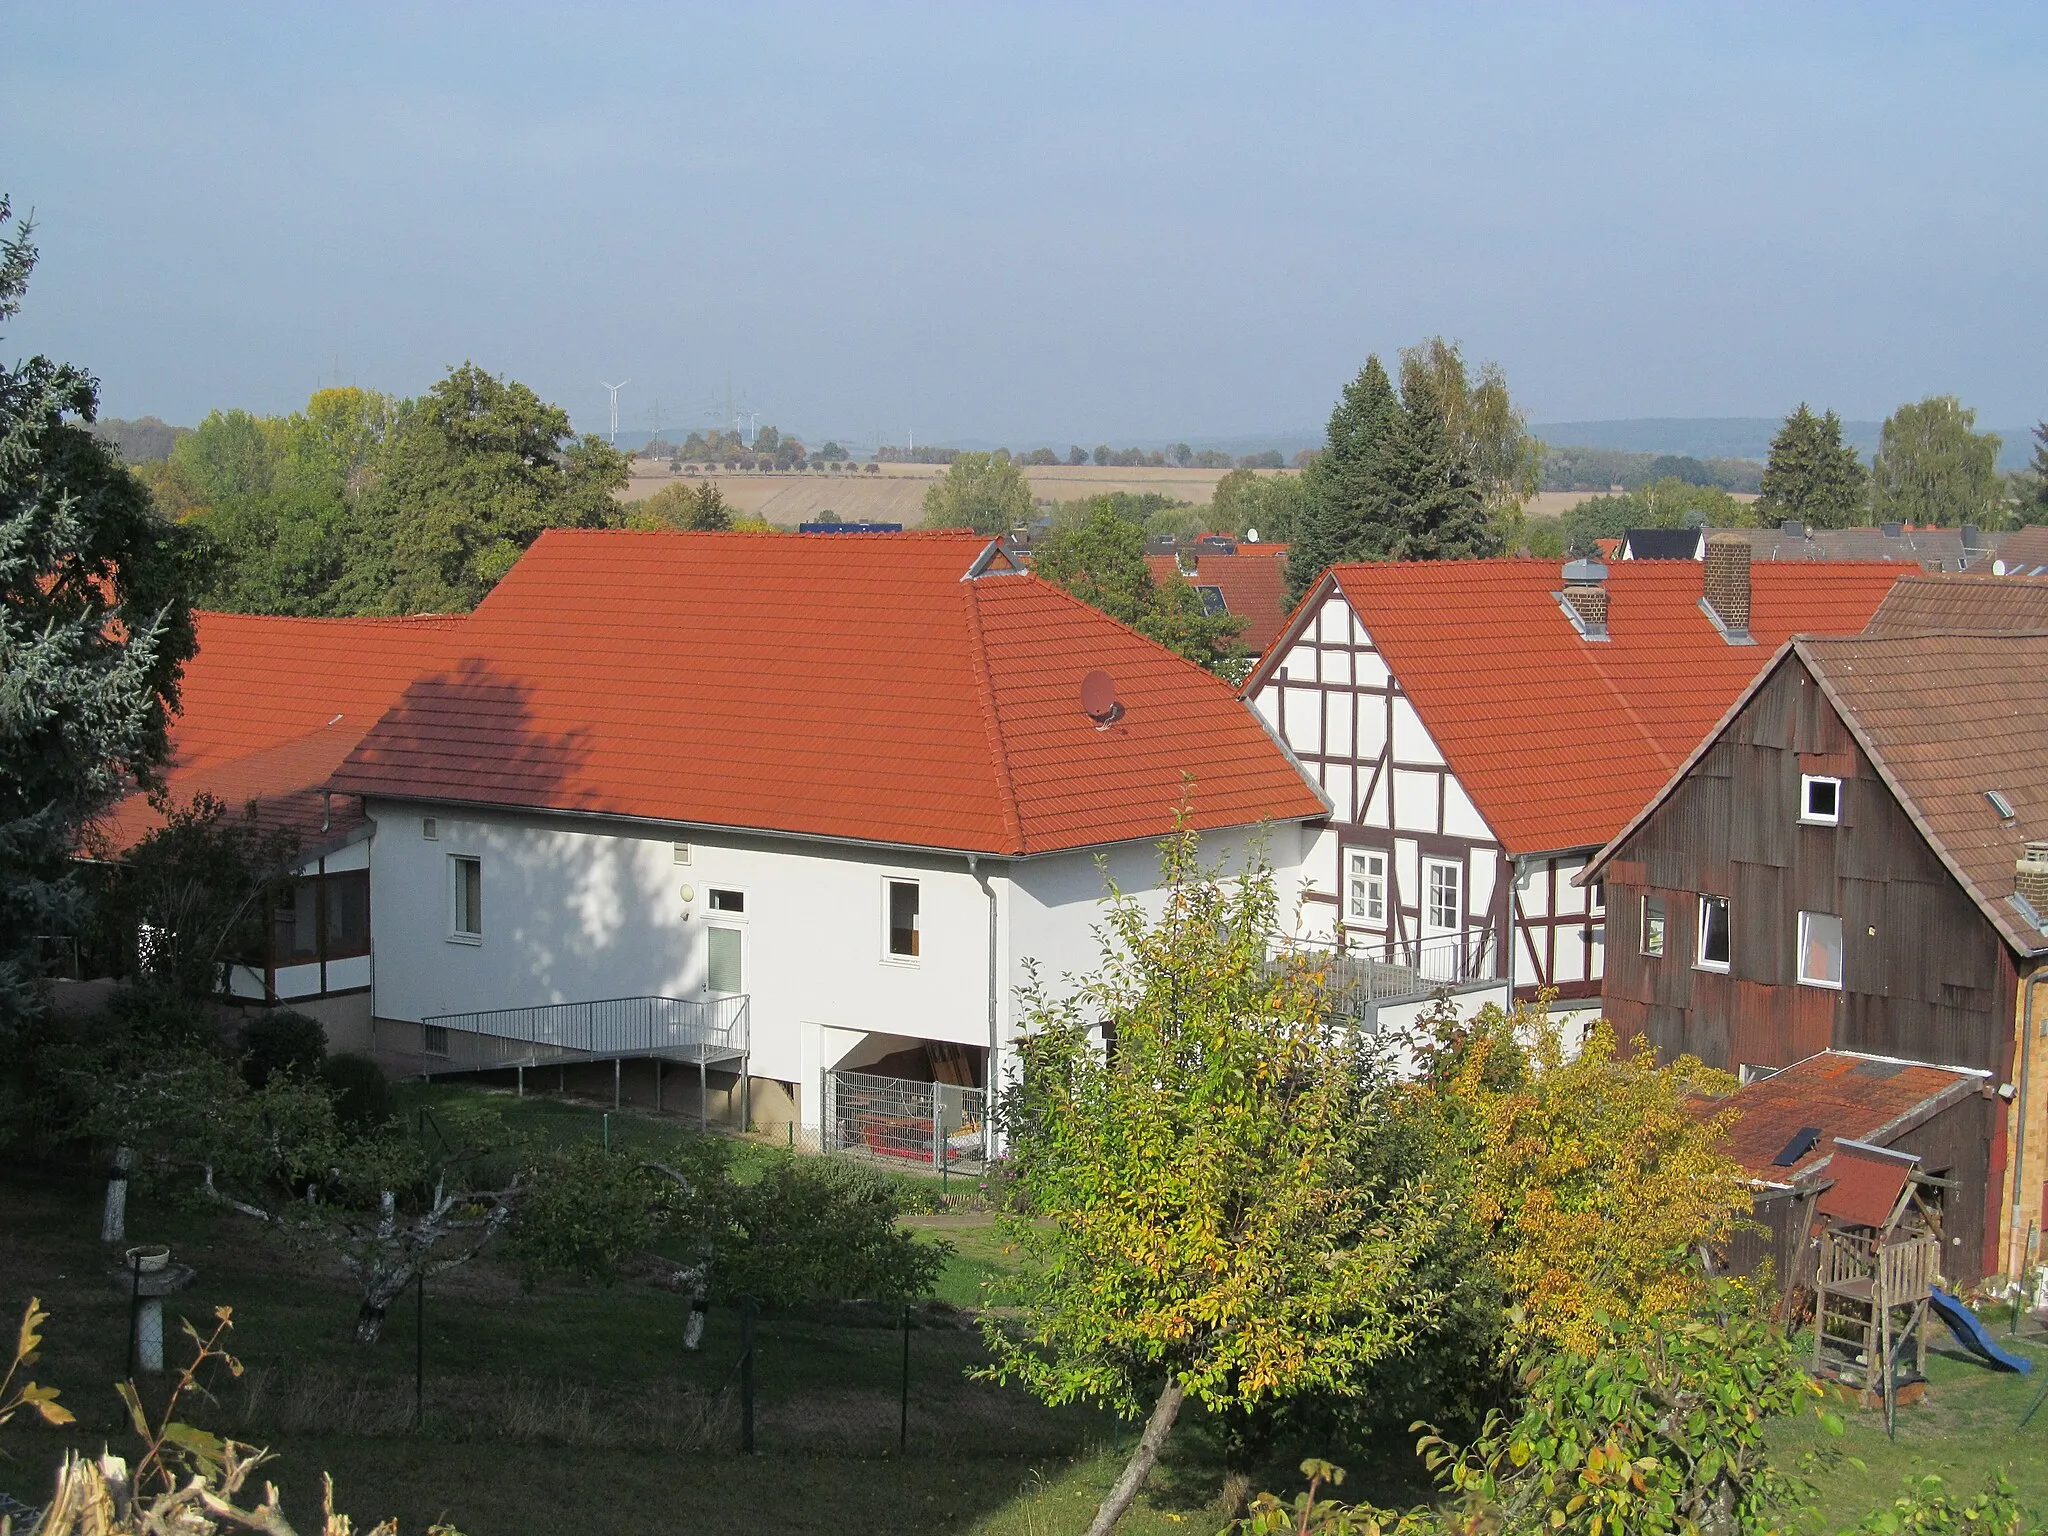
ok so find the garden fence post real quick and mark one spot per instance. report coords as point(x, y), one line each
point(938, 1129)
point(134, 1313)
point(903, 1415)
point(746, 1375)
point(419, 1348)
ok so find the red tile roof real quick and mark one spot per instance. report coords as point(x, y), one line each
point(270, 707)
point(1560, 740)
point(822, 685)
point(1253, 582)
point(1838, 1094)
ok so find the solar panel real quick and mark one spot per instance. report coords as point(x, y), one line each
point(1803, 1141)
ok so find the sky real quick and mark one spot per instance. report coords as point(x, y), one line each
point(1035, 223)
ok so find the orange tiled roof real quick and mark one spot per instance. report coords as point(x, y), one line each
point(1557, 739)
point(838, 687)
point(270, 707)
point(1253, 582)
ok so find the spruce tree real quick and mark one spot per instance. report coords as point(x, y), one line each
point(1435, 510)
point(1813, 475)
point(94, 627)
point(1346, 484)
point(2031, 486)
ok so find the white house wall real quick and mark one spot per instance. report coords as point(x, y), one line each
point(576, 911)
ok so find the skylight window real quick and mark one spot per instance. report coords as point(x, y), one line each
point(2001, 805)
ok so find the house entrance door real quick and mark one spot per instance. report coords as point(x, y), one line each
point(1443, 921)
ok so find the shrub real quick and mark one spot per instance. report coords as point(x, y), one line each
point(362, 1093)
point(279, 1040)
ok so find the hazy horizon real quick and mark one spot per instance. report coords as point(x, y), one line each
point(1048, 226)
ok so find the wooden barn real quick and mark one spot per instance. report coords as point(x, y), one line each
point(1856, 859)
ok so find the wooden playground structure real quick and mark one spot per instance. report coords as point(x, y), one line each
point(1878, 1266)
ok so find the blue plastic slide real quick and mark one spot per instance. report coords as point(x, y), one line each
point(1971, 1334)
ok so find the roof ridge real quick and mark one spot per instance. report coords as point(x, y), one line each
point(977, 650)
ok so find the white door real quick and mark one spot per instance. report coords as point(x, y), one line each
point(725, 960)
point(1443, 919)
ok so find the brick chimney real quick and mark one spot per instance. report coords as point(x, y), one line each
point(1585, 593)
point(1724, 582)
point(2030, 879)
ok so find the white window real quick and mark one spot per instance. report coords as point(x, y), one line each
point(466, 898)
point(1820, 800)
point(1820, 950)
point(1365, 896)
point(1713, 946)
point(731, 901)
point(902, 916)
point(1596, 900)
point(1442, 889)
point(1653, 925)
point(725, 959)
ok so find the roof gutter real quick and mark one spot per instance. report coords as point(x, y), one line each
point(780, 834)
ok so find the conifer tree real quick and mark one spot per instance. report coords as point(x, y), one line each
point(94, 627)
point(1813, 475)
point(1434, 508)
point(1346, 483)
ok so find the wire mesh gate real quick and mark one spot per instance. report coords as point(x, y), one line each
point(941, 1125)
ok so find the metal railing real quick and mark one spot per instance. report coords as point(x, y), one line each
point(1387, 970)
point(698, 1030)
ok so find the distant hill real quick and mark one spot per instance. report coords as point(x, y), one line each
point(141, 440)
point(1730, 437)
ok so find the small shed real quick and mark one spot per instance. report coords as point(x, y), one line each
point(1789, 1124)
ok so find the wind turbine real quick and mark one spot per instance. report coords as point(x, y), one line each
point(615, 388)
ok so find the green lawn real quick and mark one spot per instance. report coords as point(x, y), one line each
point(575, 1409)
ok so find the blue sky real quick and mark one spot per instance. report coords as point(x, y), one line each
point(1037, 223)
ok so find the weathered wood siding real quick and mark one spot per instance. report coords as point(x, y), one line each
point(1924, 976)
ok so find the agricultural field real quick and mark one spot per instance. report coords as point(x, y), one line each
point(895, 493)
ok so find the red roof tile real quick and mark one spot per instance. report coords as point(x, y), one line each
point(1558, 739)
point(270, 707)
point(1253, 582)
point(823, 685)
point(1836, 1094)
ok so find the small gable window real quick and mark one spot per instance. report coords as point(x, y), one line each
point(1820, 800)
point(1713, 946)
point(1820, 950)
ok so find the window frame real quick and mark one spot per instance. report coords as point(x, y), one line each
point(737, 914)
point(1700, 960)
point(739, 932)
point(1841, 951)
point(457, 934)
point(1661, 916)
point(890, 953)
point(1378, 881)
point(1807, 816)
point(1433, 866)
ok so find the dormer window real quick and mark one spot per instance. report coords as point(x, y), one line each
point(1820, 800)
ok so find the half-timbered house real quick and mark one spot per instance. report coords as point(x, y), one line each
point(1483, 726)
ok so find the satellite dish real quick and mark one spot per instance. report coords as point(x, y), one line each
point(1098, 699)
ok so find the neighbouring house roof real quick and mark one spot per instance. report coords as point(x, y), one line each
point(1963, 604)
point(269, 707)
point(1662, 543)
point(1558, 739)
point(2023, 552)
point(1945, 719)
point(1931, 548)
point(863, 689)
point(1253, 583)
point(1800, 1112)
